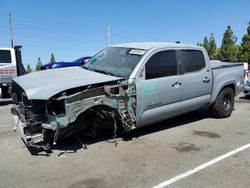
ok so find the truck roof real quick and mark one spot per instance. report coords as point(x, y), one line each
point(3, 48)
point(149, 45)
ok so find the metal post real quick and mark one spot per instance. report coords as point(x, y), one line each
point(11, 33)
point(109, 36)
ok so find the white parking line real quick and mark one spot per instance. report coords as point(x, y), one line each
point(196, 169)
point(1, 126)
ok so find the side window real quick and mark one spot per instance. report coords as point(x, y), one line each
point(192, 60)
point(161, 64)
point(5, 56)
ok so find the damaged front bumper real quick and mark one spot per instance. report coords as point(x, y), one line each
point(86, 112)
point(28, 138)
point(36, 135)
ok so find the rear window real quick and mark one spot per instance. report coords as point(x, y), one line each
point(5, 56)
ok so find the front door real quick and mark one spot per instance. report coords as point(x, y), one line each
point(159, 90)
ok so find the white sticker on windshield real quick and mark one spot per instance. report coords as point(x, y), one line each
point(137, 52)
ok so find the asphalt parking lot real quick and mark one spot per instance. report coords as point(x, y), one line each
point(143, 158)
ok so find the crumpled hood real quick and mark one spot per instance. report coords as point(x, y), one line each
point(44, 84)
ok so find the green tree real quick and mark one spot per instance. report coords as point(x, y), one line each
point(39, 64)
point(228, 49)
point(235, 53)
point(212, 47)
point(239, 53)
point(218, 53)
point(199, 44)
point(52, 58)
point(206, 44)
point(29, 69)
point(245, 44)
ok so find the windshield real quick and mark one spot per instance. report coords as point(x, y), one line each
point(115, 61)
point(5, 56)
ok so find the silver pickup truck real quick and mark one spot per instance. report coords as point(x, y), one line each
point(124, 87)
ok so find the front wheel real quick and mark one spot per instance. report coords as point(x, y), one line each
point(224, 104)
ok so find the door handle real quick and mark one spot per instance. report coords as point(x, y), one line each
point(176, 84)
point(206, 80)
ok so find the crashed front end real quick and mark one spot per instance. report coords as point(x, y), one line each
point(82, 110)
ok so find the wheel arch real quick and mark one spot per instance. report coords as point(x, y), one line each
point(95, 107)
point(216, 93)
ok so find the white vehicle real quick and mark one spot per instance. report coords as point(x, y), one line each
point(10, 67)
point(247, 80)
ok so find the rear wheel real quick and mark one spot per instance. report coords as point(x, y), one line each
point(224, 104)
point(5, 93)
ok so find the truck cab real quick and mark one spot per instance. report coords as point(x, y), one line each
point(172, 80)
point(10, 67)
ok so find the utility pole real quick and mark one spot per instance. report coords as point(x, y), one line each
point(109, 35)
point(11, 33)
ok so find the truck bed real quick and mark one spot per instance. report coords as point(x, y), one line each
point(223, 71)
point(216, 64)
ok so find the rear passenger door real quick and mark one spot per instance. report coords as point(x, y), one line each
point(197, 79)
point(158, 88)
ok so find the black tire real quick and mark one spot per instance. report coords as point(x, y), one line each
point(47, 148)
point(224, 104)
point(5, 93)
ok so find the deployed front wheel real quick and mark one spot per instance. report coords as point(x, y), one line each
point(224, 104)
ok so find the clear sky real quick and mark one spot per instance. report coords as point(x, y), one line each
point(76, 28)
